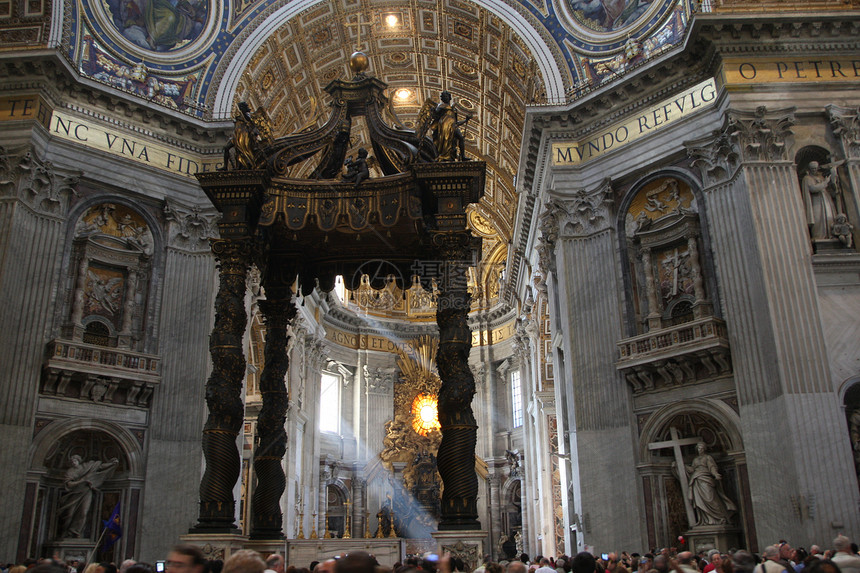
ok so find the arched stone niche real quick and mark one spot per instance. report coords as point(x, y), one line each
point(677, 430)
point(664, 242)
point(851, 401)
point(96, 443)
point(112, 252)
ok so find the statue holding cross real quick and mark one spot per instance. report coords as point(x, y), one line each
point(701, 483)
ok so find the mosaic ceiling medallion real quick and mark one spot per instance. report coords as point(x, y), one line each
point(600, 22)
point(159, 31)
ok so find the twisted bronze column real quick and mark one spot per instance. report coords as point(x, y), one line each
point(223, 390)
point(456, 455)
point(266, 517)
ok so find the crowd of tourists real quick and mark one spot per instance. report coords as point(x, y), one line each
point(842, 557)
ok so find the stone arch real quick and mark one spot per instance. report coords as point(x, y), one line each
point(50, 460)
point(713, 422)
point(719, 411)
point(511, 496)
point(547, 58)
point(336, 495)
point(55, 431)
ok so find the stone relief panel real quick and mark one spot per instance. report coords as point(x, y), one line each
point(677, 339)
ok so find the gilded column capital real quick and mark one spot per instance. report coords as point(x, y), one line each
point(190, 229)
point(845, 123)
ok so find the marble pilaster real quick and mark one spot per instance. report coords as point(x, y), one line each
point(597, 401)
point(34, 201)
point(762, 249)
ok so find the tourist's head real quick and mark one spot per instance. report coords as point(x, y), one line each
point(842, 543)
point(517, 567)
point(583, 562)
point(275, 562)
point(785, 550)
point(244, 561)
point(743, 562)
point(356, 562)
point(685, 557)
point(326, 566)
point(185, 558)
point(140, 568)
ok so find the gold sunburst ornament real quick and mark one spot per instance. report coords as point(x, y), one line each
point(425, 414)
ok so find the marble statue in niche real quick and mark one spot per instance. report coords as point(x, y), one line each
point(705, 491)
point(81, 482)
point(819, 196)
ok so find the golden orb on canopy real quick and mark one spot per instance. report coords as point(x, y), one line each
point(358, 62)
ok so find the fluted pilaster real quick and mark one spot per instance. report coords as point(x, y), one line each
point(762, 249)
point(185, 320)
point(595, 401)
point(34, 201)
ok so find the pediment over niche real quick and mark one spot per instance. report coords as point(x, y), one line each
point(115, 226)
point(660, 206)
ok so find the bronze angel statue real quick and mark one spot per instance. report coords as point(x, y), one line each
point(443, 118)
point(252, 131)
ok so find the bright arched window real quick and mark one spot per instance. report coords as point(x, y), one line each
point(330, 403)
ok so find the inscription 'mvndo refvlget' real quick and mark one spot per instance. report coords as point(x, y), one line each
point(666, 112)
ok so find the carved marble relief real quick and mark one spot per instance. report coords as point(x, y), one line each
point(677, 340)
point(100, 355)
